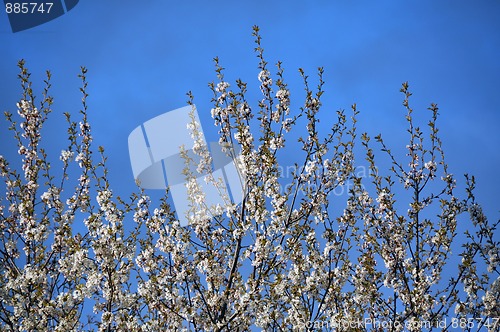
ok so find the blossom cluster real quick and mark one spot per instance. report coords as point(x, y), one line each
point(75, 256)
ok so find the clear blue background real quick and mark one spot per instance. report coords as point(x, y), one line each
point(143, 56)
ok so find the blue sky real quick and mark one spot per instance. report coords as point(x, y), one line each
point(144, 56)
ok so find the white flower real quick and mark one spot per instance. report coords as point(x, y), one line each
point(275, 143)
point(222, 86)
point(283, 95)
point(46, 196)
point(430, 165)
point(216, 112)
point(287, 124)
point(66, 155)
point(311, 166)
point(263, 75)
